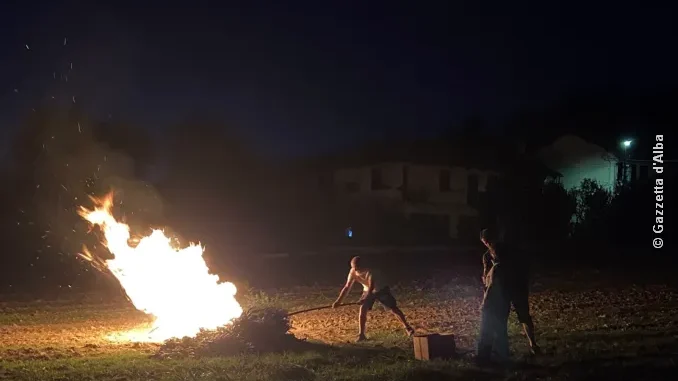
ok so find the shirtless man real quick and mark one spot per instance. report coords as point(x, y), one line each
point(374, 289)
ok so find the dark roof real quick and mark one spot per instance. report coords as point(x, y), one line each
point(484, 154)
point(416, 152)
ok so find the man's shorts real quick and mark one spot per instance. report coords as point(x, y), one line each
point(384, 297)
point(520, 300)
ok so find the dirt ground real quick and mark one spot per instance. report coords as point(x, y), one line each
point(596, 324)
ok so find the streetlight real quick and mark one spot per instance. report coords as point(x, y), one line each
point(626, 144)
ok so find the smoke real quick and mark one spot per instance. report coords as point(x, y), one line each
point(58, 158)
point(58, 163)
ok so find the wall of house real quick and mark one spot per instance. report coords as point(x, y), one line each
point(358, 181)
point(640, 170)
point(594, 168)
point(577, 159)
point(420, 178)
point(423, 194)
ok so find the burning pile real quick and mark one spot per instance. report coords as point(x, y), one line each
point(173, 285)
point(259, 331)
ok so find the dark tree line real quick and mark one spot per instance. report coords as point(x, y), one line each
point(210, 186)
point(616, 222)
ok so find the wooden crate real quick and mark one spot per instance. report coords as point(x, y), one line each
point(434, 346)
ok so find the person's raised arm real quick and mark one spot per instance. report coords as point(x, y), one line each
point(486, 266)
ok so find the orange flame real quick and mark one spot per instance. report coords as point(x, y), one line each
point(173, 285)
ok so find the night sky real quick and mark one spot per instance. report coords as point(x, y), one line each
point(315, 76)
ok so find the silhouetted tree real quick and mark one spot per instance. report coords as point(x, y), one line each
point(631, 214)
point(592, 206)
point(215, 182)
point(558, 207)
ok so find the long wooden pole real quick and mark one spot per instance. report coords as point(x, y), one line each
point(320, 308)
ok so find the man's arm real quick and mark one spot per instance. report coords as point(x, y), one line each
point(488, 289)
point(344, 290)
point(486, 266)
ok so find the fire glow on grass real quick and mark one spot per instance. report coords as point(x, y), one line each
point(173, 285)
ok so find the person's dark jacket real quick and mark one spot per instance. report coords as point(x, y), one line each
point(514, 262)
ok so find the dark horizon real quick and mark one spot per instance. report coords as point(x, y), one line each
point(315, 79)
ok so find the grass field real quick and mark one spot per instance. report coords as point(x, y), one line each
point(588, 329)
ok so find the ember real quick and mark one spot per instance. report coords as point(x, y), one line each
point(173, 285)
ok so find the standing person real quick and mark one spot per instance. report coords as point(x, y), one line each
point(374, 288)
point(516, 281)
point(496, 304)
point(519, 291)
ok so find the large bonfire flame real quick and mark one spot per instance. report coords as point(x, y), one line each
point(173, 285)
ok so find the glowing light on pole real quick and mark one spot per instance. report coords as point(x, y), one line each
point(626, 144)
